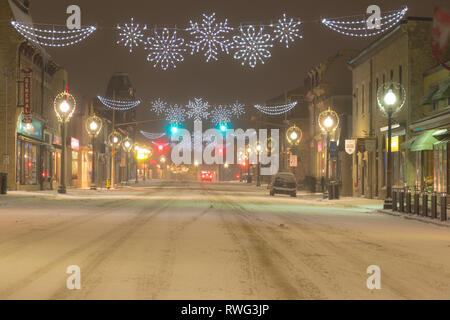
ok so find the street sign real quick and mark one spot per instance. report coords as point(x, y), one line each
point(370, 145)
point(293, 161)
point(350, 146)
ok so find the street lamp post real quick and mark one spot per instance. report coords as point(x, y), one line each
point(294, 136)
point(391, 97)
point(258, 149)
point(64, 105)
point(93, 127)
point(328, 122)
point(115, 139)
point(127, 145)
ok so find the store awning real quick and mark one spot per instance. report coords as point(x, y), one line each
point(443, 92)
point(407, 144)
point(440, 143)
point(425, 141)
point(428, 97)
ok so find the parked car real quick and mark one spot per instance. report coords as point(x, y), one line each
point(284, 183)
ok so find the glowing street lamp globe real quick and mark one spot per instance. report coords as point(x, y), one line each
point(127, 144)
point(391, 97)
point(328, 121)
point(94, 125)
point(115, 139)
point(64, 105)
point(294, 135)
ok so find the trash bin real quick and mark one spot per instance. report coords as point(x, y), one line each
point(336, 190)
point(3, 183)
point(331, 191)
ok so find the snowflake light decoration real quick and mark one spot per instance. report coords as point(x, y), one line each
point(175, 113)
point(252, 45)
point(237, 109)
point(209, 36)
point(198, 109)
point(165, 49)
point(286, 30)
point(159, 106)
point(131, 35)
point(220, 113)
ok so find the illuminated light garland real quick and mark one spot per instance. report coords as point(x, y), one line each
point(152, 136)
point(52, 37)
point(209, 37)
point(286, 30)
point(119, 105)
point(350, 28)
point(165, 49)
point(159, 106)
point(131, 35)
point(198, 109)
point(175, 113)
point(220, 113)
point(252, 46)
point(237, 109)
point(276, 110)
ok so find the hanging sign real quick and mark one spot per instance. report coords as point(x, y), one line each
point(293, 161)
point(27, 95)
point(350, 146)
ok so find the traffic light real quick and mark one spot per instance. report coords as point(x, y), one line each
point(174, 127)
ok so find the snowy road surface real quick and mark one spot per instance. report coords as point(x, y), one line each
point(202, 241)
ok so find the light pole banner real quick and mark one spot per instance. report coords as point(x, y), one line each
point(350, 146)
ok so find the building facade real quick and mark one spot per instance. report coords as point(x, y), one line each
point(402, 55)
point(30, 150)
point(329, 85)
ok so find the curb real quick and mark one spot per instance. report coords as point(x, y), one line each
point(416, 218)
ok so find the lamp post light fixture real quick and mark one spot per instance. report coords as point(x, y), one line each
point(258, 150)
point(93, 127)
point(294, 135)
point(391, 98)
point(115, 139)
point(64, 105)
point(127, 146)
point(328, 123)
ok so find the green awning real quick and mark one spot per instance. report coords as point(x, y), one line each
point(407, 144)
point(425, 141)
point(428, 97)
point(443, 92)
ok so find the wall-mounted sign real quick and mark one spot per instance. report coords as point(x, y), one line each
point(293, 161)
point(350, 146)
point(74, 144)
point(371, 145)
point(27, 95)
point(394, 144)
point(32, 129)
point(56, 140)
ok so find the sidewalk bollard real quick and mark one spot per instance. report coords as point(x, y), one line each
point(425, 204)
point(401, 197)
point(416, 202)
point(394, 200)
point(408, 201)
point(433, 205)
point(443, 207)
point(3, 183)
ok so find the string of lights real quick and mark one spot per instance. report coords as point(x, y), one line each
point(276, 110)
point(119, 105)
point(53, 37)
point(152, 136)
point(359, 28)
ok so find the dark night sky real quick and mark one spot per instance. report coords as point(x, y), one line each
point(91, 63)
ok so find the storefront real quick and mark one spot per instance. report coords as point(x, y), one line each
point(29, 142)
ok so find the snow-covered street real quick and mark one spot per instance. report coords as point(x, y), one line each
point(179, 240)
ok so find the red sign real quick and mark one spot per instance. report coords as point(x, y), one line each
point(75, 144)
point(27, 95)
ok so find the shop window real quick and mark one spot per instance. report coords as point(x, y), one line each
point(74, 165)
point(27, 155)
